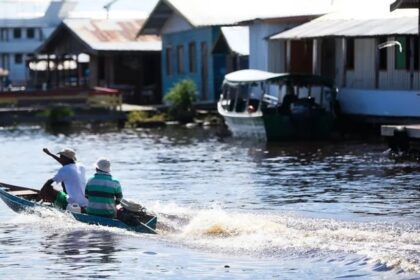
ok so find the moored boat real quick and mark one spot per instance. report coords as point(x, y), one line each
point(21, 199)
point(275, 107)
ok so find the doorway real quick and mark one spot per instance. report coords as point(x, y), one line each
point(328, 58)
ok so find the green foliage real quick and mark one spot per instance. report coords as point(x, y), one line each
point(58, 114)
point(181, 98)
point(136, 117)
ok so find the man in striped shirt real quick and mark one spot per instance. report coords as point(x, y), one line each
point(103, 191)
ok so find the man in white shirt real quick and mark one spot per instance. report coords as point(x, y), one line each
point(72, 175)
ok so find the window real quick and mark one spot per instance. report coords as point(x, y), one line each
point(168, 62)
point(383, 55)
point(17, 33)
point(350, 54)
point(180, 59)
point(416, 53)
point(410, 50)
point(30, 33)
point(192, 57)
point(402, 55)
point(18, 58)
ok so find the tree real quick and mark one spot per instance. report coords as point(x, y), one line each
point(181, 98)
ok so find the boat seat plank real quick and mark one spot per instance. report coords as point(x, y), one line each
point(23, 192)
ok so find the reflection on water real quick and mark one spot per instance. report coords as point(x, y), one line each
point(83, 252)
point(99, 246)
point(226, 208)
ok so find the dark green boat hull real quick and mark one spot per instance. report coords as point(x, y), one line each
point(281, 127)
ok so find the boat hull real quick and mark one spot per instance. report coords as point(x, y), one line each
point(20, 204)
point(281, 127)
point(273, 126)
point(247, 127)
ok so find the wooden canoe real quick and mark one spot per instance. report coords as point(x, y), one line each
point(21, 199)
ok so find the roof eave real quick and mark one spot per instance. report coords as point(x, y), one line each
point(404, 4)
point(158, 30)
point(342, 36)
point(63, 25)
point(283, 19)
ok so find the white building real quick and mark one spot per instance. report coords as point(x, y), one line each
point(371, 53)
point(273, 17)
point(22, 34)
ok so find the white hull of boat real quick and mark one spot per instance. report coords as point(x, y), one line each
point(245, 125)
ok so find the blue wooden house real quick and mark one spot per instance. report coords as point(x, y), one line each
point(190, 32)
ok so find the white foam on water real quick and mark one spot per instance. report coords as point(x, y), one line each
point(55, 221)
point(396, 246)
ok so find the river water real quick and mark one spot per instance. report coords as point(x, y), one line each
point(227, 209)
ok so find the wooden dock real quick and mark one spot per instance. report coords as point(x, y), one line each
point(413, 131)
point(85, 105)
point(403, 139)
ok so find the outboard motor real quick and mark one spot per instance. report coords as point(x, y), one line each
point(133, 213)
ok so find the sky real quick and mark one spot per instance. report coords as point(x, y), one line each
point(121, 8)
point(84, 8)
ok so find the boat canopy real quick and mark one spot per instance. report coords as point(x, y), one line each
point(252, 75)
point(249, 76)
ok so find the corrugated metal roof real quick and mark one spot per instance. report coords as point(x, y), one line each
point(113, 35)
point(221, 12)
point(405, 4)
point(237, 37)
point(229, 12)
point(369, 22)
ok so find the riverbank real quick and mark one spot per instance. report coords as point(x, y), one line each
point(64, 114)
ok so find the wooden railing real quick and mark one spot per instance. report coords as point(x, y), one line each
point(92, 98)
point(105, 98)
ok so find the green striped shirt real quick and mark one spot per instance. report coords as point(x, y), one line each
point(102, 192)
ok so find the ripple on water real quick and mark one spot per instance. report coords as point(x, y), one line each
point(318, 209)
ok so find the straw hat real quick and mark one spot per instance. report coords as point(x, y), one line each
point(103, 164)
point(68, 153)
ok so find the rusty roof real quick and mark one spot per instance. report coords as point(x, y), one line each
point(113, 35)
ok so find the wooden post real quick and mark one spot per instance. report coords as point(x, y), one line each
point(377, 56)
point(288, 55)
point(315, 56)
point(48, 72)
point(65, 72)
point(344, 62)
point(76, 59)
point(93, 67)
point(35, 72)
point(411, 54)
point(139, 89)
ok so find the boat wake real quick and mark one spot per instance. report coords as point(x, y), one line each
point(54, 221)
point(386, 245)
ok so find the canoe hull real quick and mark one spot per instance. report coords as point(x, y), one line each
point(24, 204)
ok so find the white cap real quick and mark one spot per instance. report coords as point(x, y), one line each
point(103, 164)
